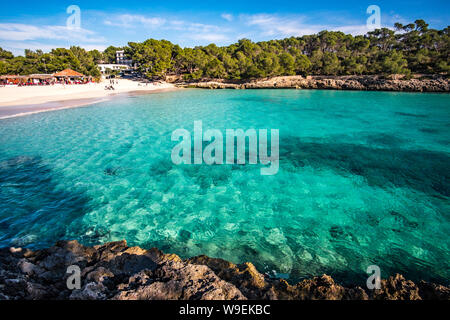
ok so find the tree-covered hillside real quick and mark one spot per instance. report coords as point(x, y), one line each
point(75, 58)
point(412, 48)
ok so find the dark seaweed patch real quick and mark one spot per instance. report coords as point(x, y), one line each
point(422, 170)
point(405, 114)
point(35, 201)
point(111, 171)
point(429, 130)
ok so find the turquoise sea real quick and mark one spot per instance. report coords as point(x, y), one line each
point(364, 179)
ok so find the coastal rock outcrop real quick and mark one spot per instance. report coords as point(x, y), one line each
point(360, 83)
point(114, 271)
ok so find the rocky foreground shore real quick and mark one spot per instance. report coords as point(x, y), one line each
point(115, 271)
point(360, 83)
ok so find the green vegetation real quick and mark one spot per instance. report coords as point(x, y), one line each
point(414, 48)
point(75, 58)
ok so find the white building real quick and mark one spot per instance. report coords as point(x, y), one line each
point(104, 68)
point(122, 59)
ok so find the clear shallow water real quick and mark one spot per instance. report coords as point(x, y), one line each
point(364, 179)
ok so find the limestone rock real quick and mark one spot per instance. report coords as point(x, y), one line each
point(176, 280)
point(116, 271)
point(372, 83)
point(397, 288)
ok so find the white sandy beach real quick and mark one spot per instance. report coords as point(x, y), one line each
point(20, 96)
point(21, 101)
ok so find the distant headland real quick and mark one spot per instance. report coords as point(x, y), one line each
point(407, 51)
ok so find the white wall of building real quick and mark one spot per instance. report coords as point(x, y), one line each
point(113, 67)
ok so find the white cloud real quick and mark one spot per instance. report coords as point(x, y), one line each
point(132, 21)
point(227, 16)
point(189, 29)
point(16, 37)
point(18, 47)
point(139, 21)
point(23, 32)
point(178, 29)
point(202, 28)
point(212, 37)
point(176, 22)
point(271, 25)
point(354, 30)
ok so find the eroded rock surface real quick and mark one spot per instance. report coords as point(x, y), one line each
point(369, 83)
point(118, 272)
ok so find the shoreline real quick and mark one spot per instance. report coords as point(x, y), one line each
point(59, 97)
point(47, 107)
point(114, 271)
point(350, 83)
point(17, 108)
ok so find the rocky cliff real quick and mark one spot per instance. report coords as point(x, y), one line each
point(117, 272)
point(367, 83)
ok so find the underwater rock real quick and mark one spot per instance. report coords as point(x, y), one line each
point(114, 271)
point(111, 171)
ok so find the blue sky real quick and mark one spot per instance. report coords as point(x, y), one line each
point(42, 24)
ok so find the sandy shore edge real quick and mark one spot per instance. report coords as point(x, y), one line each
point(57, 103)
